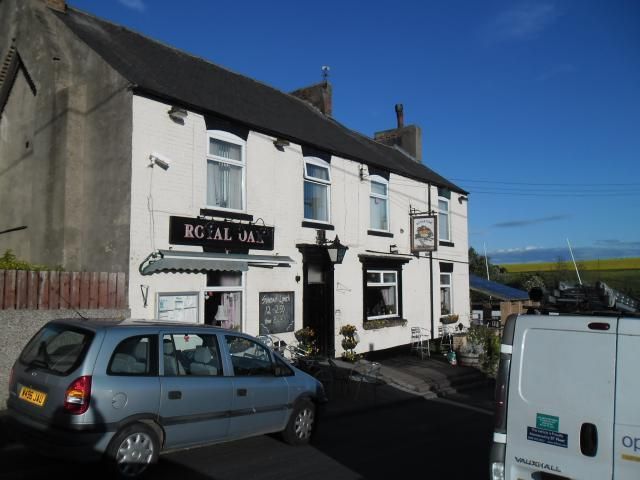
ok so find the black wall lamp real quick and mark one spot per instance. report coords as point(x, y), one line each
point(336, 251)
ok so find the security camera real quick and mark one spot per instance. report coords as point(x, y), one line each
point(160, 160)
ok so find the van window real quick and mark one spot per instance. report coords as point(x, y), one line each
point(57, 348)
point(133, 356)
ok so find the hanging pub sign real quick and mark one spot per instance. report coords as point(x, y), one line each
point(219, 234)
point(424, 233)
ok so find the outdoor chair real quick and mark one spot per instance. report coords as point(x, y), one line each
point(339, 378)
point(368, 373)
point(445, 332)
point(420, 341)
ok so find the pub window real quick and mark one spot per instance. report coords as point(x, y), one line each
point(225, 171)
point(444, 226)
point(381, 297)
point(223, 296)
point(317, 189)
point(445, 294)
point(379, 204)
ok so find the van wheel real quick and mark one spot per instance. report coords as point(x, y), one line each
point(301, 423)
point(132, 450)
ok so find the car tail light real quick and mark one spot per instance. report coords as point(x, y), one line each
point(76, 398)
point(11, 377)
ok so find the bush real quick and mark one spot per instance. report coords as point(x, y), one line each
point(9, 261)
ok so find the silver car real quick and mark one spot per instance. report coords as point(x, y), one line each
point(126, 391)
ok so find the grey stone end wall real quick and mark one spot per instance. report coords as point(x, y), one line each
point(18, 326)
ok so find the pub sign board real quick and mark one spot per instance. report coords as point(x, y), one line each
point(423, 233)
point(219, 234)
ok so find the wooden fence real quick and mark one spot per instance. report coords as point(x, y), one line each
point(25, 290)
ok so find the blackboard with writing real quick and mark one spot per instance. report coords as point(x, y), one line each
point(276, 312)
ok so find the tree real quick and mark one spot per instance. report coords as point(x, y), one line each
point(478, 266)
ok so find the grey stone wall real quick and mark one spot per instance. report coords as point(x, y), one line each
point(18, 326)
point(65, 147)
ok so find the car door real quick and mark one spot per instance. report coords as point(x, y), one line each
point(195, 398)
point(561, 398)
point(260, 398)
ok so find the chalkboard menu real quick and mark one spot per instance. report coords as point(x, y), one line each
point(276, 312)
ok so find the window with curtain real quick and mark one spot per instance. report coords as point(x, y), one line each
point(444, 227)
point(225, 171)
point(317, 184)
point(379, 204)
point(223, 299)
point(382, 294)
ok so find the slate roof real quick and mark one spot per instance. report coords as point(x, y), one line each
point(199, 85)
point(494, 289)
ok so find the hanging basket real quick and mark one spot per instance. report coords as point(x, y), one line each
point(448, 319)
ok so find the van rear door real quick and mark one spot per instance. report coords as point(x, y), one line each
point(561, 398)
point(627, 425)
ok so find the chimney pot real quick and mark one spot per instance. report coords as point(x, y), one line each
point(400, 115)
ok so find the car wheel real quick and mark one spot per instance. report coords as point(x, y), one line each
point(132, 450)
point(301, 423)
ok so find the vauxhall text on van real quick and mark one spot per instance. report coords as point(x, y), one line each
point(568, 399)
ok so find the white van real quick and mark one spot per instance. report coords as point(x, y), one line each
point(568, 399)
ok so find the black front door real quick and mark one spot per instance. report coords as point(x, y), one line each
point(318, 299)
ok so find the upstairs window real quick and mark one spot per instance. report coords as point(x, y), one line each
point(317, 189)
point(225, 171)
point(444, 226)
point(379, 204)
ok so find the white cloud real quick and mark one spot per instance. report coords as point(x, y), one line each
point(521, 22)
point(134, 4)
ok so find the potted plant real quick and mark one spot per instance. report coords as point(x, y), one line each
point(470, 352)
point(349, 341)
point(306, 339)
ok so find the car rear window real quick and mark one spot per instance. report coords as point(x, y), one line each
point(57, 348)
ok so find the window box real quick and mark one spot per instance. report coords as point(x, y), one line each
point(384, 323)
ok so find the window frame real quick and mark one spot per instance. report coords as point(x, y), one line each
point(227, 137)
point(382, 283)
point(446, 286)
point(318, 162)
point(383, 181)
point(444, 227)
point(231, 288)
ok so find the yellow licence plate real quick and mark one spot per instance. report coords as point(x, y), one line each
point(33, 396)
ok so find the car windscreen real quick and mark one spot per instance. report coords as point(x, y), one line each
point(57, 348)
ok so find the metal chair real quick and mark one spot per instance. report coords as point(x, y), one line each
point(367, 372)
point(445, 332)
point(420, 341)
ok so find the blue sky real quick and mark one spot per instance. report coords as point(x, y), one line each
point(532, 106)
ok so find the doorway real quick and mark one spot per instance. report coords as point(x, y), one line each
point(317, 298)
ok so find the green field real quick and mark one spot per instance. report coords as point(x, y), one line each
point(583, 265)
point(623, 274)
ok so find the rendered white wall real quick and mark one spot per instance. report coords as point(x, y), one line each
point(274, 193)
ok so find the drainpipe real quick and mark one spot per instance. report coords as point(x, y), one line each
point(431, 266)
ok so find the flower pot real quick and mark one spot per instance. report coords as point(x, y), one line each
point(469, 359)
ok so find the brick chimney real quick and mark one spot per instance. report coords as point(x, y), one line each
point(318, 95)
point(408, 138)
point(58, 5)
